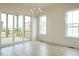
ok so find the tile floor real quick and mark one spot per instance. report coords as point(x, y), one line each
point(37, 48)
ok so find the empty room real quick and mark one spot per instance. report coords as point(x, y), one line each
point(39, 29)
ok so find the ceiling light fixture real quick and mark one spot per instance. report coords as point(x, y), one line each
point(35, 11)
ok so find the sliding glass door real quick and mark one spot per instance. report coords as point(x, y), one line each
point(14, 28)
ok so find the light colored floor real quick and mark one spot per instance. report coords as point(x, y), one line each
point(9, 40)
point(37, 48)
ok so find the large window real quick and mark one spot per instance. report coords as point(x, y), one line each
point(72, 24)
point(43, 25)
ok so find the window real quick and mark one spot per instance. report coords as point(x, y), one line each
point(3, 24)
point(10, 21)
point(43, 25)
point(27, 27)
point(72, 24)
point(27, 23)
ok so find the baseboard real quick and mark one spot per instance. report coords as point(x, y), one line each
point(59, 44)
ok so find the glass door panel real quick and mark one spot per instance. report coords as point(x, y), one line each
point(3, 28)
point(27, 28)
point(19, 31)
point(7, 29)
point(10, 28)
point(15, 28)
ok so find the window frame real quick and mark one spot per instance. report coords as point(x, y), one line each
point(42, 25)
point(66, 25)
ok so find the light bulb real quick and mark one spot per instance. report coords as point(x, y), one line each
point(39, 9)
point(33, 8)
point(33, 12)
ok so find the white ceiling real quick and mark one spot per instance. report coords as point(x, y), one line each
point(26, 5)
point(22, 7)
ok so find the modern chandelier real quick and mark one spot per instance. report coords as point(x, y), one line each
point(35, 11)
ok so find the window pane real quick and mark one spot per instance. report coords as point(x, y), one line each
point(69, 32)
point(10, 21)
point(20, 22)
point(27, 24)
point(69, 17)
point(43, 25)
point(43, 28)
point(27, 19)
point(15, 22)
point(43, 32)
point(27, 28)
point(75, 32)
point(3, 20)
point(43, 19)
point(76, 16)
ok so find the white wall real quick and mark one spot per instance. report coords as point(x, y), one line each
point(56, 26)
